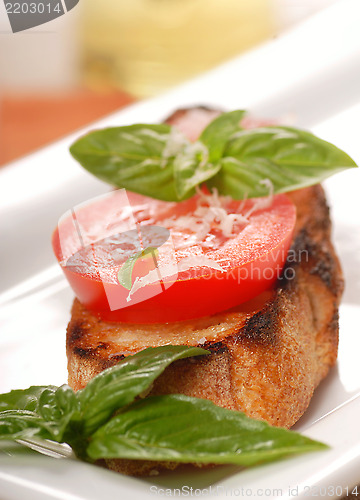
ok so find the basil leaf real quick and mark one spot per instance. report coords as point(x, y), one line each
point(155, 428)
point(288, 157)
point(217, 134)
point(27, 399)
point(133, 157)
point(59, 409)
point(125, 272)
point(118, 386)
point(50, 409)
point(32, 432)
point(159, 161)
point(192, 168)
point(185, 429)
point(22, 424)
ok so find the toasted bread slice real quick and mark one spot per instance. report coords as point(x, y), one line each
point(267, 356)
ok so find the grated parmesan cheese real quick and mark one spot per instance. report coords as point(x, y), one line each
point(211, 213)
point(179, 146)
point(174, 145)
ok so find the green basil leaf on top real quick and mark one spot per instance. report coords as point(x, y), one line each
point(135, 158)
point(160, 162)
point(199, 161)
point(153, 160)
point(185, 429)
point(191, 168)
point(120, 385)
point(290, 158)
point(218, 133)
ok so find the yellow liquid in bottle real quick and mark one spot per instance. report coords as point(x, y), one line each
point(147, 46)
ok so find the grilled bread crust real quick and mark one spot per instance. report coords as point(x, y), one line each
point(267, 356)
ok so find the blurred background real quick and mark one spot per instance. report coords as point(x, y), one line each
point(105, 54)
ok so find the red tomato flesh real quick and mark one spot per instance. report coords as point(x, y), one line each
point(221, 269)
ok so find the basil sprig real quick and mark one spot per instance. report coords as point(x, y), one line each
point(160, 162)
point(110, 418)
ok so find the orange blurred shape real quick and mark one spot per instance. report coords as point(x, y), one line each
point(28, 122)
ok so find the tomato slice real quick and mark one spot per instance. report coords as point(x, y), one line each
point(210, 254)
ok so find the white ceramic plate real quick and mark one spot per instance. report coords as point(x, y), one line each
point(309, 75)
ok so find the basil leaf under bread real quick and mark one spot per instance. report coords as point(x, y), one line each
point(186, 429)
point(103, 420)
point(26, 399)
point(38, 411)
point(22, 424)
point(118, 386)
point(160, 162)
